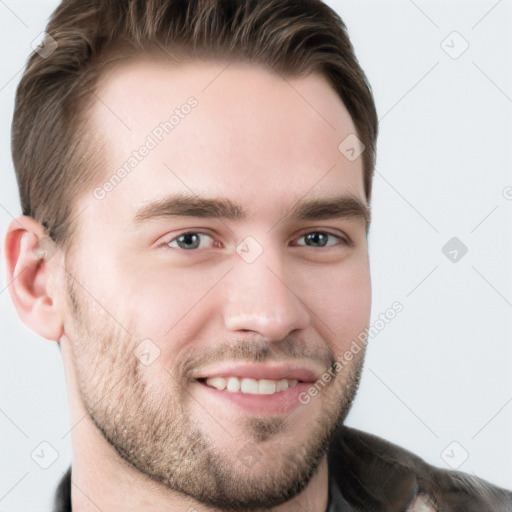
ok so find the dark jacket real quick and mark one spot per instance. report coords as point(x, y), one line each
point(368, 474)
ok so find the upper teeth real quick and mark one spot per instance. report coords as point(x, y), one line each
point(252, 386)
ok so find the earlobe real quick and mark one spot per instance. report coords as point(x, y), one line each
point(31, 269)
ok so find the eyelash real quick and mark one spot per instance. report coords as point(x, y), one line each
point(342, 240)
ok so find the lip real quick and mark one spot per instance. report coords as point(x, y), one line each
point(283, 402)
point(278, 371)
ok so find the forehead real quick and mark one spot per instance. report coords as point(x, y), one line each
point(220, 128)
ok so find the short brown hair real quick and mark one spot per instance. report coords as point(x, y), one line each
point(51, 154)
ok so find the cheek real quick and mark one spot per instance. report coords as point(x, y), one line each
point(340, 299)
point(169, 309)
point(151, 297)
point(158, 306)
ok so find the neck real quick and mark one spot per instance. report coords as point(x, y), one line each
point(102, 480)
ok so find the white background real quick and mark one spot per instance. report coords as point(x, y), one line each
point(438, 378)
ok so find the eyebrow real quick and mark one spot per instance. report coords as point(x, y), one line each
point(191, 205)
point(345, 206)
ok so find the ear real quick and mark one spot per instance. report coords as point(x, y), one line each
point(32, 264)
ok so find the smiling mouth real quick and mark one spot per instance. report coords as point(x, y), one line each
point(249, 386)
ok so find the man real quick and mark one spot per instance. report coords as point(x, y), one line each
point(194, 237)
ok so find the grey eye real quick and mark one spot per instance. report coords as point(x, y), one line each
point(318, 239)
point(188, 241)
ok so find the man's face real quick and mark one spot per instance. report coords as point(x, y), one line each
point(174, 296)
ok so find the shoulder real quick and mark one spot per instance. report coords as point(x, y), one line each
point(376, 475)
point(62, 499)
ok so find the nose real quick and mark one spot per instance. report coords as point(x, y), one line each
point(261, 299)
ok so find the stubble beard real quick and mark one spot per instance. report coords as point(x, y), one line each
point(153, 430)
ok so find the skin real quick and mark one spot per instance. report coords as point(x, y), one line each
point(152, 437)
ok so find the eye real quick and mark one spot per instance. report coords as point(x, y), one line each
point(192, 240)
point(320, 239)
